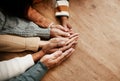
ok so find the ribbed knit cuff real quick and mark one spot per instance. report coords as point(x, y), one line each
point(44, 33)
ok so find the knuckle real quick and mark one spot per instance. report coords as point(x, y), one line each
point(57, 40)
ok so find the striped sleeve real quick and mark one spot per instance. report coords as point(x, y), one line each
point(62, 8)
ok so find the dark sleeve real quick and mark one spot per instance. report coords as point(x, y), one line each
point(35, 73)
point(21, 27)
point(15, 7)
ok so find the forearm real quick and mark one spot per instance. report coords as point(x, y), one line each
point(37, 18)
point(35, 73)
point(15, 67)
point(63, 18)
point(38, 55)
point(10, 43)
point(20, 27)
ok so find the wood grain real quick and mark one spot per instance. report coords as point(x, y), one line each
point(97, 54)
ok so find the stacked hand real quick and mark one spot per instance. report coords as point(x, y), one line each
point(56, 58)
point(58, 50)
point(60, 43)
point(60, 46)
point(59, 31)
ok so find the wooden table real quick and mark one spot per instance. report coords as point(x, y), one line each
point(97, 55)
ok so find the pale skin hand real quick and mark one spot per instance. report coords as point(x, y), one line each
point(58, 31)
point(56, 58)
point(48, 47)
point(60, 43)
point(55, 44)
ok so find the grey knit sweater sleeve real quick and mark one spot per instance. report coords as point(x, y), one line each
point(21, 27)
point(35, 73)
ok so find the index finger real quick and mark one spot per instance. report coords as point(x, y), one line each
point(64, 55)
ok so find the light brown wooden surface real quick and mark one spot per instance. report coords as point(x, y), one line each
point(97, 55)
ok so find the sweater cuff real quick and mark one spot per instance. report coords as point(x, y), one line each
point(44, 33)
point(32, 43)
point(42, 69)
point(26, 62)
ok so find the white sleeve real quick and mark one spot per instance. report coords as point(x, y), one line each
point(15, 66)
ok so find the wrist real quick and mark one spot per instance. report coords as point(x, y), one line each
point(63, 18)
point(43, 43)
point(37, 56)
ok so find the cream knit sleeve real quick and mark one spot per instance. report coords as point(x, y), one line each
point(11, 43)
point(15, 67)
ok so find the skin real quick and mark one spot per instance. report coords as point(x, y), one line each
point(56, 50)
point(37, 18)
point(65, 23)
point(55, 30)
point(55, 44)
point(56, 58)
point(58, 31)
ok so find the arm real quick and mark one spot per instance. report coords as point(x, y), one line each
point(37, 18)
point(11, 43)
point(35, 73)
point(20, 27)
point(62, 12)
point(14, 67)
point(49, 61)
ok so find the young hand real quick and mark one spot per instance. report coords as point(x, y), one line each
point(65, 23)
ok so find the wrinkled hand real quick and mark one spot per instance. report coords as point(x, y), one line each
point(60, 44)
point(56, 58)
point(58, 31)
point(53, 44)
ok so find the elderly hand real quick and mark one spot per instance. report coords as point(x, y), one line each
point(60, 44)
point(58, 31)
point(55, 44)
point(56, 58)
